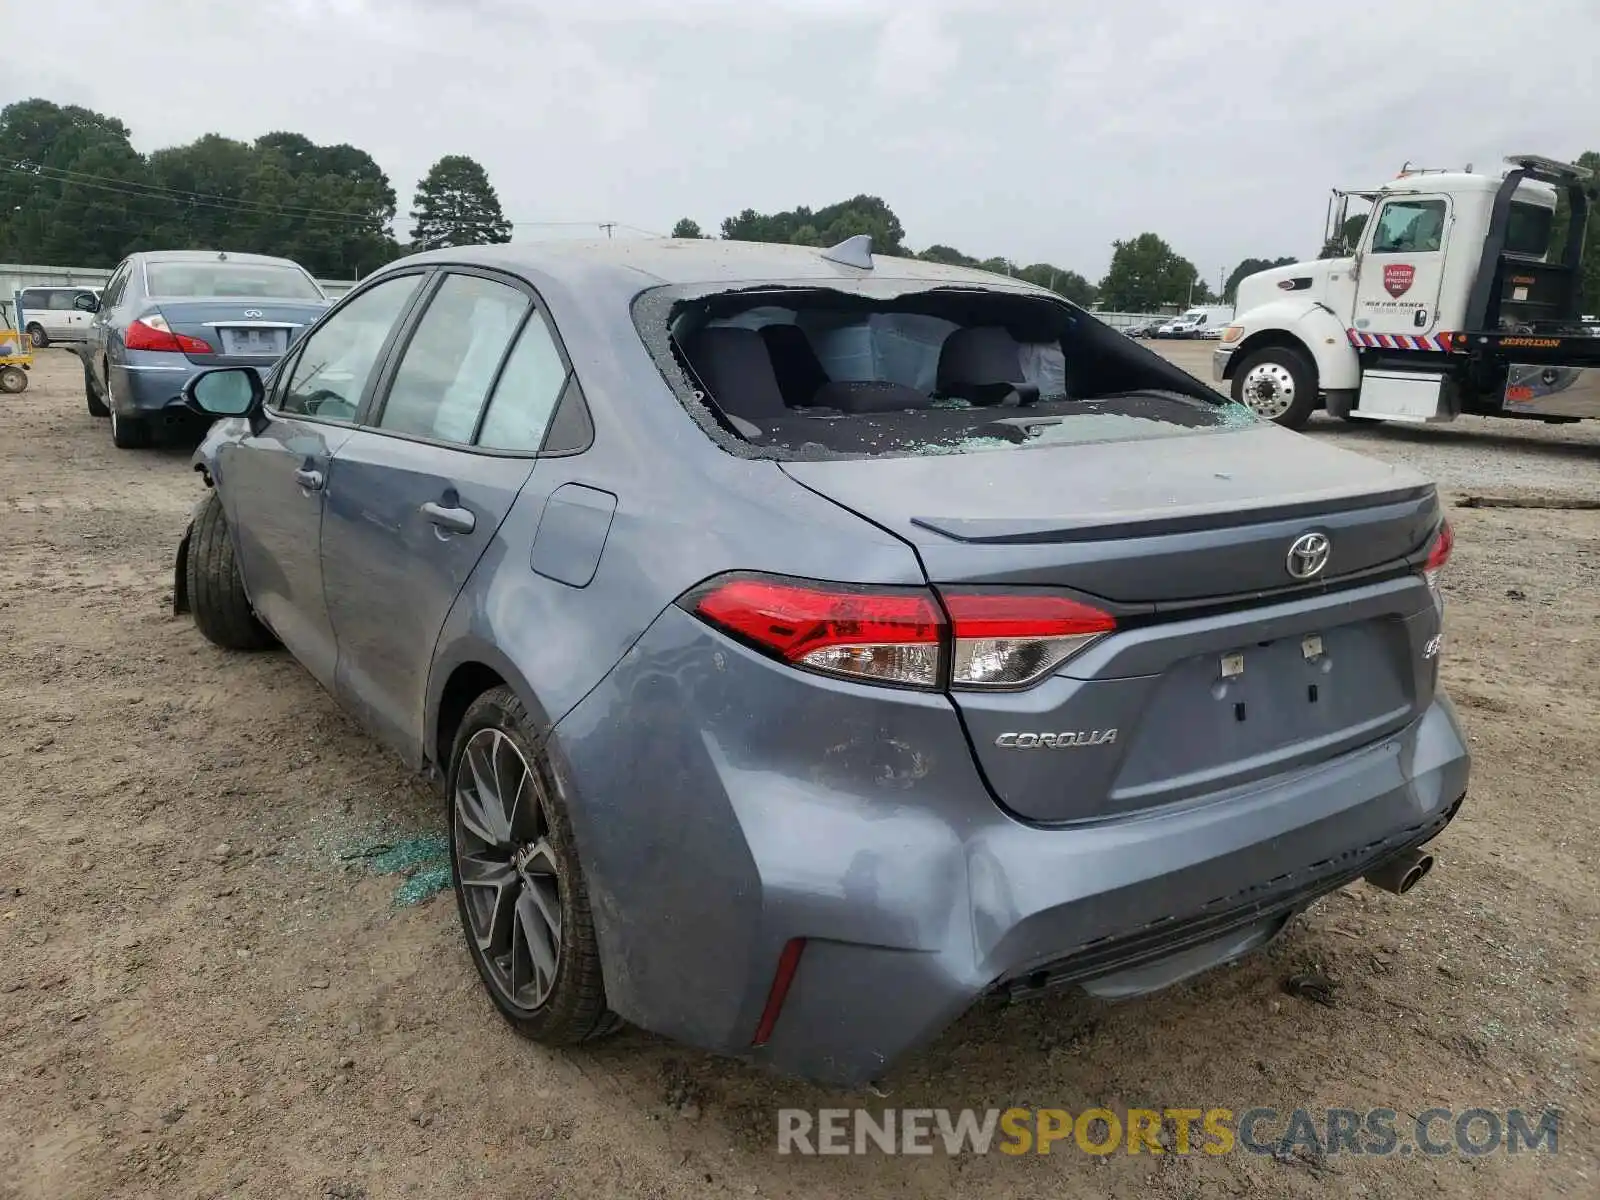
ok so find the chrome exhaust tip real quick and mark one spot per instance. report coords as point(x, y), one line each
point(1402, 872)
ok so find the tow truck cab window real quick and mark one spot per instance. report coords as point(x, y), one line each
point(1528, 230)
point(1409, 227)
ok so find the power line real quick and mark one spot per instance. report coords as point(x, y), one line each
point(243, 207)
point(62, 175)
point(132, 188)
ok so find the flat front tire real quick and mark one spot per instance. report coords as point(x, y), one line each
point(1279, 384)
point(520, 888)
point(216, 594)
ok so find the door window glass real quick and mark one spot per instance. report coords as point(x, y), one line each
point(340, 355)
point(450, 364)
point(61, 301)
point(1409, 227)
point(527, 392)
point(113, 293)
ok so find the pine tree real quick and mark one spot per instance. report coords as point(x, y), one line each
point(455, 205)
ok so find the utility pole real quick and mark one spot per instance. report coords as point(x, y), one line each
point(608, 226)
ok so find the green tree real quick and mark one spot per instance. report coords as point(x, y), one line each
point(1230, 290)
point(1589, 265)
point(457, 206)
point(1349, 237)
point(687, 228)
point(1060, 281)
point(823, 227)
point(948, 255)
point(1146, 274)
point(72, 188)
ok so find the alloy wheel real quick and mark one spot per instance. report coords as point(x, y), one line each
point(509, 875)
point(1269, 389)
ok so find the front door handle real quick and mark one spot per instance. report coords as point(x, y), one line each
point(455, 520)
point(309, 478)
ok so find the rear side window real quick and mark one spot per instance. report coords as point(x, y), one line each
point(1528, 230)
point(35, 300)
point(331, 374)
point(453, 358)
point(1409, 227)
point(526, 395)
point(816, 373)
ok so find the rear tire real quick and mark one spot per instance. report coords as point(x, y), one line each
point(13, 380)
point(91, 395)
point(1279, 384)
point(511, 838)
point(129, 433)
point(222, 611)
point(37, 335)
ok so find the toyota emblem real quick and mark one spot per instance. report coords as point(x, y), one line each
point(1308, 555)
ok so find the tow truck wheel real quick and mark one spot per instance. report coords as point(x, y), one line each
point(1278, 384)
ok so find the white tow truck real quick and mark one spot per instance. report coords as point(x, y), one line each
point(1451, 301)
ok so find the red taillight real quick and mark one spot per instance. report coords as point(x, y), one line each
point(788, 964)
point(887, 636)
point(153, 333)
point(1011, 639)
point(997, 639)
point(1439, 553)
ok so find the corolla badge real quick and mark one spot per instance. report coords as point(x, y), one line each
point(1308, 555)
point(1056, 741)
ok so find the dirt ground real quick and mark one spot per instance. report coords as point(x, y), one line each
point(209, 986)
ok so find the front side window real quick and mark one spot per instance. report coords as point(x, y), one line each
point(339, 356)
point(452, 359)
point(1409, 227)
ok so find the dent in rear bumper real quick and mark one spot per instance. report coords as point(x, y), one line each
point(723, 805)
point(149, 383)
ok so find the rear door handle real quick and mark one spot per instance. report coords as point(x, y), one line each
point(309, 478)
point(455, 520)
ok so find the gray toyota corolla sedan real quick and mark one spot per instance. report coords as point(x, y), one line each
point(811, 643)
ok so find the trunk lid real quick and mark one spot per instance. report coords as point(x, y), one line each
point(241, 332)
point(1224, 668)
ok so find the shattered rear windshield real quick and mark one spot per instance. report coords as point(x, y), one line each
point(895, 367)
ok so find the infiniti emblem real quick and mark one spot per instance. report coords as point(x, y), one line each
point(1308, 555)
point(253, 312)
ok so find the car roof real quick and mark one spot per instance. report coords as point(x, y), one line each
point(700, 261)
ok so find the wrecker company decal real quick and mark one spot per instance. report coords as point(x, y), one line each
point(1397, 278)
point(1537, 343)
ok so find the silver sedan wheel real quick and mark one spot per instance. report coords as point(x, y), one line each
point(1268, 389)
point(510, 877)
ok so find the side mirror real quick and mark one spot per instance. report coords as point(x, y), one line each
point(85, 302)
point(225, 392)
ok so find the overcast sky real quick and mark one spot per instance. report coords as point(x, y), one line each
point(1034, 130)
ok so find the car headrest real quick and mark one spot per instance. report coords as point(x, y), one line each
point(736, 369)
